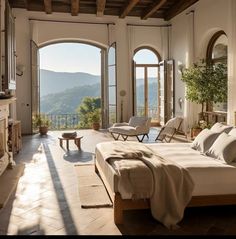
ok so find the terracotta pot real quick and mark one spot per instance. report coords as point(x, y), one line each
point(96, 126)
point(195, 132)
point(43, 130)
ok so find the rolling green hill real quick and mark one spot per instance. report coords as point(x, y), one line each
point(54, 82)
point(67, 101)
point(62, 93)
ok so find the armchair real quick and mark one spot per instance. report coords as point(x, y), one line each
point(137, 125)
point(169, 129)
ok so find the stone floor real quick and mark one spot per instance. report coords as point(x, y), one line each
point(46, 200)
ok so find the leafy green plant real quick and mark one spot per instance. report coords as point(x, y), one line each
point(206, 83)
point(94, 116)
point(41, 120)
point(89, 110)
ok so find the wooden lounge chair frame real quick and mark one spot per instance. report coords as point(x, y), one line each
point(169, 136)
point(125, 136)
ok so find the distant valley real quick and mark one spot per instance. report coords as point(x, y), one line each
point(54, 82)
point(62, 93)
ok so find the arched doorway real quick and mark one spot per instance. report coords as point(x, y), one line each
point(146, 83)
point(76, 66)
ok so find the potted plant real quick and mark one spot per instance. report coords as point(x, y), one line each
point(195, 130)
point(95, 118)
point(198, 127)
point(42, 122)
point(206, 83)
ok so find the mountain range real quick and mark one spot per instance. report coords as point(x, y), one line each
point(52, 82)
point(62, 92)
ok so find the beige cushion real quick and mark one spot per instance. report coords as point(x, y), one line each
point(232, 132)
point(204, 140)
point(138, 121)
point(220, 127)
point(224, 148)
point(127, 130)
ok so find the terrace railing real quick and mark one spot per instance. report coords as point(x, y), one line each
point(63, 121)
point(71, 121)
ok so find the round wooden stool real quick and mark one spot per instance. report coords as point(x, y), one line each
point(67, 139)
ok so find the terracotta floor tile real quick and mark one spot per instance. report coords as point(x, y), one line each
point(46, 201)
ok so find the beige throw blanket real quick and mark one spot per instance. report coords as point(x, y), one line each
point(173, 186)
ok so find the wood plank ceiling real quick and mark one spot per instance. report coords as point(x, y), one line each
point(165, 9)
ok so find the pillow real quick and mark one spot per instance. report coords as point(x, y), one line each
point(220, 127)
point(204, 140)
point(224, 148)
point(232, 132)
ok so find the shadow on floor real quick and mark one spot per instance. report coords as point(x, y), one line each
point(75, 156)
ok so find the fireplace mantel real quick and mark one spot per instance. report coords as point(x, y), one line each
point(7, 101)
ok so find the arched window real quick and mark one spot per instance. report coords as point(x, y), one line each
point(146, 83)
point(217, 48)
point(217, 53)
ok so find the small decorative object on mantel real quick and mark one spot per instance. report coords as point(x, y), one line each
point(4, 95)
point(69, 135)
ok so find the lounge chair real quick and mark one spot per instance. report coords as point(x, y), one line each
point(137, 125)
point(169, 129)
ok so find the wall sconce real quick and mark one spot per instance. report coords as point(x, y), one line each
point(20, 70)
point(122, 94)
point(180, 101)
point(181, 67)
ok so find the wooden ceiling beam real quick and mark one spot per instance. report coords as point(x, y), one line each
point(126, 10)
point(74, 7)
point(177, 8)
point(26, 4)
point(100, 7)
point(48, 6)
point(151, 10)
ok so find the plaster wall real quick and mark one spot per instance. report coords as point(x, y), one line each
point(209, 16)
point(35, 25)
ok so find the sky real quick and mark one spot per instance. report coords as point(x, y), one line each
point(71, 57)
point(78, 57)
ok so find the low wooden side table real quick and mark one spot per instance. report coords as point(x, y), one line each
point(67, 139)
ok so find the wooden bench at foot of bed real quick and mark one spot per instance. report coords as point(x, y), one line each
point(119, 204)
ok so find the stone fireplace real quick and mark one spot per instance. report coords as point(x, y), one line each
point(6, 158)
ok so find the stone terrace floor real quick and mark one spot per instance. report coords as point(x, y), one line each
point(46, 200)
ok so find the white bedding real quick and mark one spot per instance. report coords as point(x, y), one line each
point(211, 176)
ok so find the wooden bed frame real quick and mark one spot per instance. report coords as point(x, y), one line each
point(120, 204)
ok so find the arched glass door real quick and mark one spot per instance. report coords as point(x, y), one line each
point(112, 102)
point(146, 84)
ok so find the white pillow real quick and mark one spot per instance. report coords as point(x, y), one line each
point(232, 132)
point(224, 148)
point(220, 127)
point(204, 140)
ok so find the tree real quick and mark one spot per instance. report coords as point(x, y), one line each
point(88, 106)
point(206, 83)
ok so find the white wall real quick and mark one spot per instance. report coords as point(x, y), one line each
point(44, 32)
point(210, 16)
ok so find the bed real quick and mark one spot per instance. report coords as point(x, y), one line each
point(214, 181)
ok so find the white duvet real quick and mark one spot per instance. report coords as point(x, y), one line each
point(210, 176)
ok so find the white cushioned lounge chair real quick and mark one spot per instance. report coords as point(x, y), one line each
point(169, 129)
point(137, 126)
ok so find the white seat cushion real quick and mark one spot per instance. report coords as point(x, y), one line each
point(127, 130)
